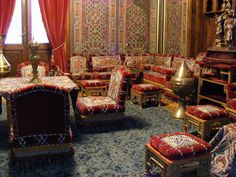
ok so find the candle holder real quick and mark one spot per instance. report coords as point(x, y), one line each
point(34, 59)
point(5, 67)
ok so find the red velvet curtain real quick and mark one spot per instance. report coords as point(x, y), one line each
point(54, 15)
point(6, 13)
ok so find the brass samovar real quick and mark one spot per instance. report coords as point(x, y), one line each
point(183, 84)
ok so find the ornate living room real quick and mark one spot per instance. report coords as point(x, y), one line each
point(117, 88)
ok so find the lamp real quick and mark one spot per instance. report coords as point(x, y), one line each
point(5, 67)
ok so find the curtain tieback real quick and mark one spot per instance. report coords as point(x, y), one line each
point(56, 48)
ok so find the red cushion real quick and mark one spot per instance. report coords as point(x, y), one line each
point(164, 70)
point(145, 87)
point(157, 77)
point(207, 112)
point(97, 104)
point(93, 83)
point(179, 145)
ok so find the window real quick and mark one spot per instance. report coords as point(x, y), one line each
point(36, 28)
point(14, 35)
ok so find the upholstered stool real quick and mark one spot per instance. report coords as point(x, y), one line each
point(142, 93)
point(177, 154)
point(93, 88)
point(205, 118)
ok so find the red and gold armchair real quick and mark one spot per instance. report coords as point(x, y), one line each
point(105, 108)
point(39, 123)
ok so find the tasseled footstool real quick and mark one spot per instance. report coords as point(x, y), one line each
point(93, 88)
point(143, 93)
point(177, 154)
point(205, 118)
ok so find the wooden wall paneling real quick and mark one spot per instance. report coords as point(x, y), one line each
point(198, 30)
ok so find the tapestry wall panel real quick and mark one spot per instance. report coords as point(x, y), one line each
point(93, 26)
point(175, 32)
point(134, 26)
point(111, 26)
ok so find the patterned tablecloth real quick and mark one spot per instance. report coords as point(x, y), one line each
point(223, 162)
point(9, 85)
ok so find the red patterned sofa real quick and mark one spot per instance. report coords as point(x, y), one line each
point(89, 67)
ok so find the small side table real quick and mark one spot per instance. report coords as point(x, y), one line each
point(93, 88)
point(143, 93)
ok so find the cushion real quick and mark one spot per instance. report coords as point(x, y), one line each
point(118, 84)
point(207, 112)
point(93, 83)
point(164, 70)
point(179, 145)
point(136, 61)
point(156, 77)
point(177, 61)
point(145, 87)
point(100, 62)
point(163, 60)
point(78, 64)
point(98, 104)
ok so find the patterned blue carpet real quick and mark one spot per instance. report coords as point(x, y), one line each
point(114, 153)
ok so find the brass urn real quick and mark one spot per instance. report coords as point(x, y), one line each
point(34, 59)
point(5, 67)
point(182, 85)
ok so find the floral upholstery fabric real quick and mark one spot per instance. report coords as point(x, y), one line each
point(42, 122)
point(163, 60)
point(136, 61)
point(164, 70)
point(231, 103)
point(145, 87)
point(113, 102)
point(100, 62)
point(224, 152)
point(157, 77)
point(207, 112)
point(179, 145)
point(98, 105)
point(78, 64)
point(118, 84)
point(93, 83)
point(25, 69)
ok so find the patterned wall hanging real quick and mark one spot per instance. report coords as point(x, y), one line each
point(93, 26)
point(110, 26)
point(175, 32)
